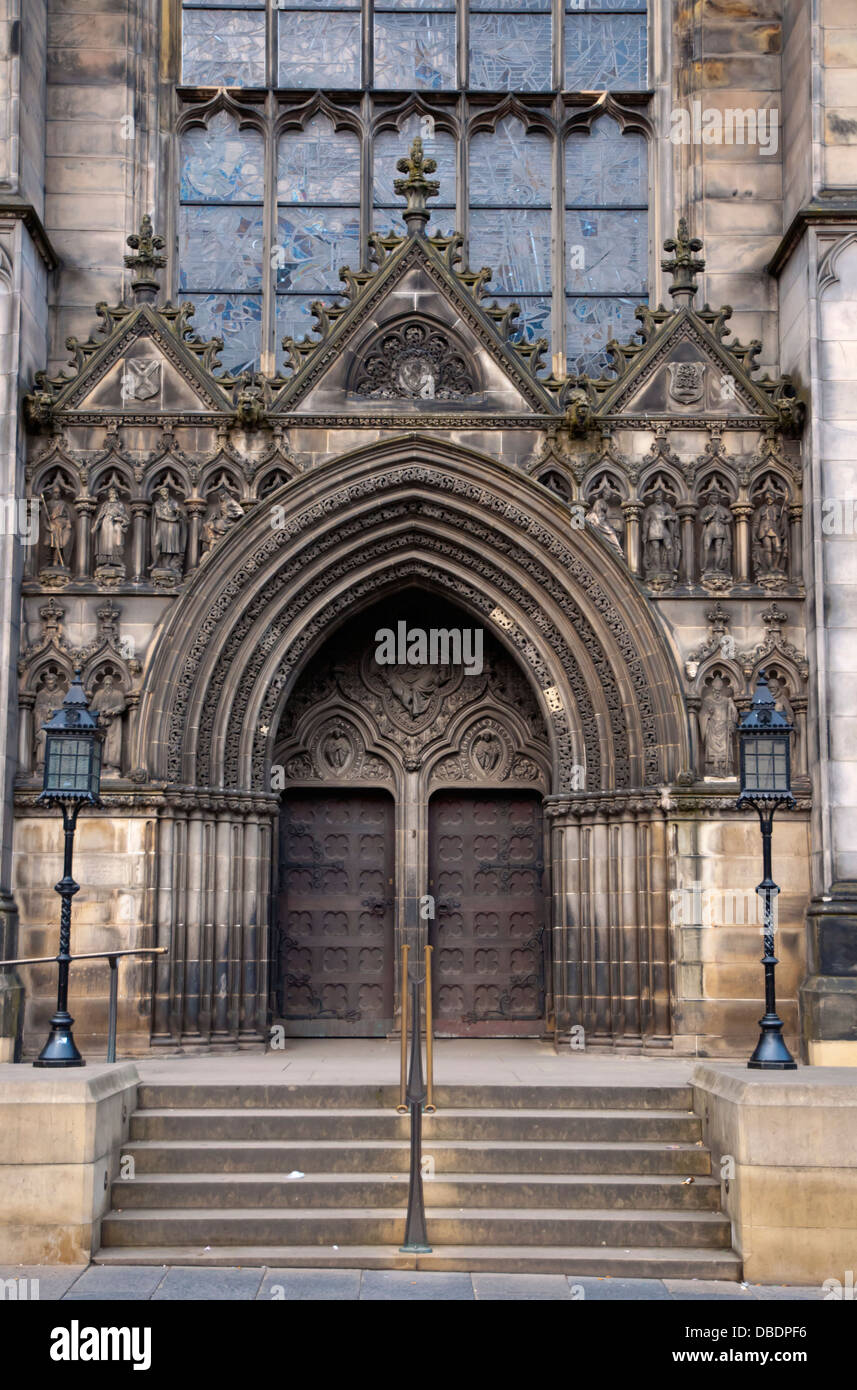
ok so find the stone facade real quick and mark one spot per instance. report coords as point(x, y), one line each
point(637, 547)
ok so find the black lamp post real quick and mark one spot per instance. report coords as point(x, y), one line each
point(764, 737)
point(72, 779)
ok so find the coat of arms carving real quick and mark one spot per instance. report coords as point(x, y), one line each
point(415, 361)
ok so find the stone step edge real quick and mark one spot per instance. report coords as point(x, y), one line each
point(639, 1262)
point(555, 1214)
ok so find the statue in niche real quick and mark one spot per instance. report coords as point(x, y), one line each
point(718, 717)
point(716, 521)
point(111, 523)
point(47, 702)
point(661, 544)
point(228, 513)
point(336, 750)
point(770, 535)
point(60, 526)
point(777, 687)
point(168, 536)
point(110, 704)
point(599, 519)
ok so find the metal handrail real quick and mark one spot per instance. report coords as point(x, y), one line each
point(416, 1096)
point(112, 957)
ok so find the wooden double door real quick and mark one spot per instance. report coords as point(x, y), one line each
point(338, 900)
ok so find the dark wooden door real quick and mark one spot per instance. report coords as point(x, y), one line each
point(485, 872)
point(335, 959)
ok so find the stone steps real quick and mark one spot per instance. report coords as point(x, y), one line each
point(392, 1156)
point(215, 1191)
point(573, 1179)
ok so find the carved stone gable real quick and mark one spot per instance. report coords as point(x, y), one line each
point(416, 361)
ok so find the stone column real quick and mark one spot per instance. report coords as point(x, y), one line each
point(659, 934)
point(600, 920)
point(629, 931)
point(632, 512)
point(193, 920)
point(223, 916)
point(85, 508)
point(687, 572)
point(796, 542)
point(165, 972)
point(25, 731)
point(250, 912)
point(196, 510)
point(140, 509)
point(694, 704)
point(565, 919)
point(742, 512)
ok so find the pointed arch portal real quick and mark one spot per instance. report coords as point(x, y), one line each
point(263, 700)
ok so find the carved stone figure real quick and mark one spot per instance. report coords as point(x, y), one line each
point(661, 545)
point(718, 716)
point(487, 751)
point(716, 521)
point(60, 526)
point(168, 535)
point(110, 704)
point(770, 535)
point(598, 518)
point(413, 687)
point(336, 750)
point(229, 512)
point(47, 702)
point(111, 523)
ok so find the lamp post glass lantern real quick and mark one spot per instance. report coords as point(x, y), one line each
point(764, 738)
point(72, 779)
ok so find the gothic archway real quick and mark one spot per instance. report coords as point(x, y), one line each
point(415, 512)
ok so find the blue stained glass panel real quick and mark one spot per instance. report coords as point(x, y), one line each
point(534, 320)
point(508, 166)
point(294, 318)
point(220, 248)
point(414, 5)
point(221, 163)
point(284, 5)
point(516, 244)
point(590, 323)
point(237, 319)
point(319, 50)
point(312, 243)
point(606, 167)
point(223, 4)
point(224, 48)
point(415, 51)
point(603, 6)
point(606, 252)
point(389, 147)
point(318, 165)
point(542, 5)
point(510, 52)
point(604, 52)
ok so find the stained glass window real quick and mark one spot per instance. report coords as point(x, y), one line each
point(510, 45)
point(606, 239)
point(221, 235)
point(605, 45)
point(415, 45)
point(269, 212)
point(318, 219)
point(511, 191)
point(224, 46)
point(387, 149)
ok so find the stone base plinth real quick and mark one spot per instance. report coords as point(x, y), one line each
point(785, 1148)
point(60, 1136)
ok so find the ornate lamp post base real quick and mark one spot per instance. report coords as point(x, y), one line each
point(60, 1049)
point(771, 1053)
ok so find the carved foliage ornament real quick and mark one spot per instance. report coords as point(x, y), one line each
point(415, 361)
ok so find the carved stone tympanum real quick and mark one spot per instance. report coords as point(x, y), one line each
point(415, 361)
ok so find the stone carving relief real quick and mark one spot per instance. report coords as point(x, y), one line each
point(58, 519)
point(660, 536)
point(686, 382)
point(321, 735)
point(715, 517)
point(49, 697)
point(112, 521)
point(718, 719)
point(169, 534)
point(416, 361)
point(770, 536)
point(227, 511)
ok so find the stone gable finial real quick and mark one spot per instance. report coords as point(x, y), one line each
point(683, 264)
point(147, 259)
point(416, 187)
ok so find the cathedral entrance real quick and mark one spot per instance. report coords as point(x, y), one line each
point(409, 782)
point(485, 869)
point(335, 903)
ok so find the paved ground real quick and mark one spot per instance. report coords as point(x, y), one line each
point(486, 1061)
point(142, 1282)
